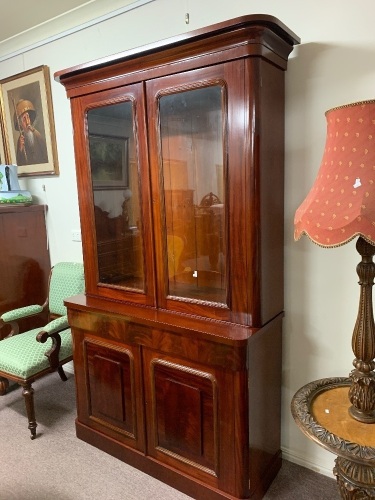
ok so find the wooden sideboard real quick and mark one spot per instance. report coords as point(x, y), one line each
point(178, 364)
point(24, 260)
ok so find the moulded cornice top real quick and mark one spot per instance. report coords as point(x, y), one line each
point(264, 20)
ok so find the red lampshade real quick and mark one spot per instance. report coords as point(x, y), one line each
point(341, 203)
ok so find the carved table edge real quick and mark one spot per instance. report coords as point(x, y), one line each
point(300, 408)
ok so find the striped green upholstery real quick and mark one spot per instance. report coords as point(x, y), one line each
point(22, 356)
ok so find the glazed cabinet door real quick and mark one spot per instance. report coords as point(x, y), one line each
point(198, 145)
point(112, 400)
point(113, 179)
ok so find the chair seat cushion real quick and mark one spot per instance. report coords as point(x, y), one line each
point(23, 356)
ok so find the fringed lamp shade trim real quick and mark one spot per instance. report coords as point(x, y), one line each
point(341, 203)
point(330, 245)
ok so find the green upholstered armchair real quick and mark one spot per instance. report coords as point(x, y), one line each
point(23, 358)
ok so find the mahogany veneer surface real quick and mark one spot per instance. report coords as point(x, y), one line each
point(182, 382)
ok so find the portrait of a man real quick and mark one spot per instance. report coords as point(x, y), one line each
point(31, 145)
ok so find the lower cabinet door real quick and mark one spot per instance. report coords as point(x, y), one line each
point(182, 415)
point(114, 395)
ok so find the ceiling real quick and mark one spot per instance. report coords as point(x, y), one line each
point(24, 24)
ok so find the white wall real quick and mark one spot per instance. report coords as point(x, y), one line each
point(334, 65)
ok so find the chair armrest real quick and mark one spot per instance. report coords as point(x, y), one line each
point(11, 317)
point(21, 312)
point(55, 326)
point(51, 331)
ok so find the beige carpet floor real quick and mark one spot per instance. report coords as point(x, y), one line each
point(58, 466)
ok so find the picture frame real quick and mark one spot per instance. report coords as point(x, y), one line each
point(3, 145)
point(109, 161)
point(29, 128)
point(3, 155)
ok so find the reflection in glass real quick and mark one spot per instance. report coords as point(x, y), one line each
point(114, 173)
point(192, 144)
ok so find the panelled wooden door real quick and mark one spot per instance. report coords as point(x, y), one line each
point(113, 402)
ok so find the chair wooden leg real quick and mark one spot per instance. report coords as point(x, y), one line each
point(61, 372)
point(4, 384)
point(28, 394)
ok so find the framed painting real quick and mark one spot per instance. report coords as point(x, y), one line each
point(29, 128)
point(109, 161)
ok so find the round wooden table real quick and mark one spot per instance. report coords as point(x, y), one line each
point(320, 410)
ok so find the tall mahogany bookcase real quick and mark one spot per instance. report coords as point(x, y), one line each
point(179, 151)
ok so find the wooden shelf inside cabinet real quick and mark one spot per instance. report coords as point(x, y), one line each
point(181, 324)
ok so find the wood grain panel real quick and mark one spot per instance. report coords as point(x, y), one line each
point(184, 414)
point(111, 391)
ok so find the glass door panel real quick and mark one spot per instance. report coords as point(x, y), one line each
point(192, 148)
point(115, 183)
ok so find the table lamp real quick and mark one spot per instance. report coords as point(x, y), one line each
point(340, 207)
